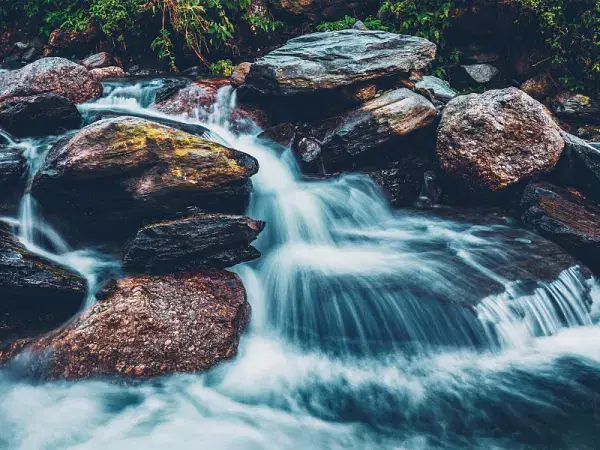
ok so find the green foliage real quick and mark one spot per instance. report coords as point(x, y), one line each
point(115, 16)
point(348, 22)
point(222, 67)
point(163, 47)
point(263, 24)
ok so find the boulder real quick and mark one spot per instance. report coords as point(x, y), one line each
point(13, 167)
point(100, 61)
point(497, 139)
point(186, 98)
point(169, 88)
point(540, 87)
point(566, 218)
point(50, 75)
point(70, 43)
point(150, 326)
point(473, 75)
point(573, 107)
point(39, 115)
point(320, 10)
point(116, 173)
point(107, 72)
point(440, 89)
point(328, 61)
point(238, 77)
point(36, 295)
point(579, 167)
point(202, 241)
point(355, 138)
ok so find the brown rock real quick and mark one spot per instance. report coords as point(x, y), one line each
point(578, 108)
point(539, 87)
point(199, 94)
point(100, 61)
point(50, 75)
point(238, 77)
point(497, 139)
point(150, 326)
point(107, 72)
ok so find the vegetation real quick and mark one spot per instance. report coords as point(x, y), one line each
point(568, 31)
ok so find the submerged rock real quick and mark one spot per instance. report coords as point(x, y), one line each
point(50, 75)
point(39, 115)
point(352, 139)
point(119, 172)
point(566, 218)
point(497, 139)
point(327, 61)
point(36, 295)
point(150, 326)
point(199, 242)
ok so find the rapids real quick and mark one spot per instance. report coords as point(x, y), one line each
point(370, 328)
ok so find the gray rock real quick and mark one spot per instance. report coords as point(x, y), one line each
point(481, 73)
point(441, 89)
point(99, 61)
point(579, 167)
point(574, 107)
point(203, 241)
point(359, 25)
point(497, 139)
point(326, 61)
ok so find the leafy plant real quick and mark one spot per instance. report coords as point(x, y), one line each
point(348, 22)
point(222, 67)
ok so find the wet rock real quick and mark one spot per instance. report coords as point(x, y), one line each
point(181, 97)
point(192, 72)
point(539, 87)
point(170, 87)
point(327, 61)
point(150, 326)
point(440, 89)
point(202, 241)
point(283, 134)
point(107, 72)
point(39, 115)
point(579, 167)
point(353, 139)
point(566, 218)
point(126, 170)
point(497, 139)
point(319, 10)
point(36, 295)
point(12, 175)
point(238, 77)
point(100, 61)
point(50, 75)
point(576, 108)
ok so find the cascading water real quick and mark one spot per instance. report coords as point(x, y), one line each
point(365, 331)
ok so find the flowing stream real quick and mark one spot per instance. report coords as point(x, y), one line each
point(371, 328)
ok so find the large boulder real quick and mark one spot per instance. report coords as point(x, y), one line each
point(359, 137)
point(497, 139)
point(107, 72)
point(36, 295)
point(566, 218)
point(203, 241)
point(50, 75)
point(115, 174)
point(574, 107)
point(13, 167)
point(327, 61)
point(321, 9)
point(579, 167)
point(39, 115)
point(150, 326)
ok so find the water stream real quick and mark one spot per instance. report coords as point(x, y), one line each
point(371, 328)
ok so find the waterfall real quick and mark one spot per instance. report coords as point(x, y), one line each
point(368, 329)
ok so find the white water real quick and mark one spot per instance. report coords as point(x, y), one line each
point(343, 286)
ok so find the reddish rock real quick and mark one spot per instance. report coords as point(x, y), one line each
point(100, 61)
point(238, 77)
point(497, 139)
point(200, 94)
point(50, 75)
point(107, 72)
point(150, 326)
point(539, 87)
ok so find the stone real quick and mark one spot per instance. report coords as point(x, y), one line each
point(107, 72)
point(355, 138)
point(576, 108)
point(202, 241)
point(100, 61)
point(13, 167)
point(540, 87)
point(238, 77)
point(149, 327)
point(36, 295)
point(169, 88)
point(565, 217)
point(579, 167)
point(440, 89)
point(480, 73)
point(359, 25)
point(50, 75)
point(70, 43)
point(186, 98)
point(39, 115)
point(116, 173)
point(497, 139)
point(331, 60)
